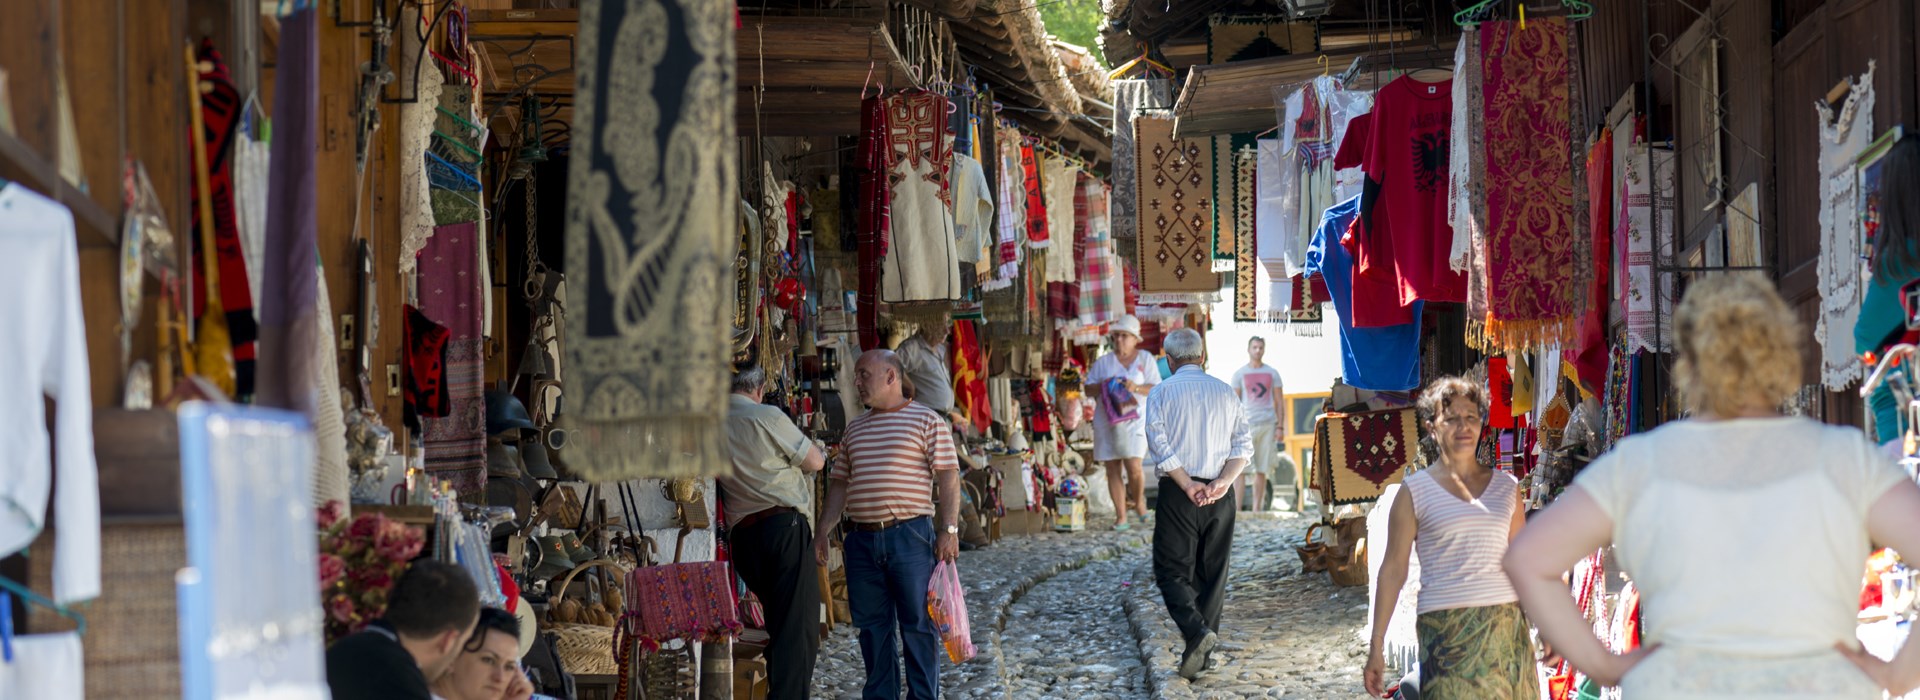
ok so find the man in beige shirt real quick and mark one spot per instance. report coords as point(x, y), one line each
point(769, 499)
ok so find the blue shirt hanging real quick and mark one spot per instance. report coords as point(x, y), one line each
point(1376, 359)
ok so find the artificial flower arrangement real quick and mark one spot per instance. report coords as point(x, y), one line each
point(359, 561)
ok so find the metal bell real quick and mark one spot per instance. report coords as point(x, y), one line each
point(534, 455)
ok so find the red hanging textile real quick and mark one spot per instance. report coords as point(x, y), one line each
point(1037, 234)
point(969, 364)
point(1499, 394)
point(222, 108)
point(875, 207)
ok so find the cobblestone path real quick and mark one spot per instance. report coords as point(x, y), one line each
point(1072, 616)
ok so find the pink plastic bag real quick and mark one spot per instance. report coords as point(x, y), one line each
point(947, 605)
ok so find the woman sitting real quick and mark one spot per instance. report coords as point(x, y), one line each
point(489, 664)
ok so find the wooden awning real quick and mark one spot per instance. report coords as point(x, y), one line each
point(813, 69)
point(1237, 97)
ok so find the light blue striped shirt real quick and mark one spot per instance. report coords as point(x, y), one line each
point(1196, 424)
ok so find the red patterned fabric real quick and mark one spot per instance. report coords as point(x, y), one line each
point(1357, 455)
point(1589, 354)
point(970, 375)
point(426, 388)
point(1499, 394)
point(875, 207)
point(1037, 233)
point(681, 601)
point(221, 109)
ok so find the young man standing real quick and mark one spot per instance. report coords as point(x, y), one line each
point(1258, 387)
point(883, 481)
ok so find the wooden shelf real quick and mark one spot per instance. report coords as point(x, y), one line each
point(18, 163)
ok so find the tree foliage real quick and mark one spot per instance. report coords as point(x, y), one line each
point(1075, 22)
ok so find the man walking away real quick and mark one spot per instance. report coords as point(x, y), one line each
point(1260, 396)
point(431, 612)
point(1198, 441)
point(883, 481)
point(769, 499)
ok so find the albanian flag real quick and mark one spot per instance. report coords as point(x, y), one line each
point(969, 375)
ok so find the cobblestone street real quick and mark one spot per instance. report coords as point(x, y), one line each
point(1070, 616)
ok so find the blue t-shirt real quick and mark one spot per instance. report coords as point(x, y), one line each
point(1375, 359)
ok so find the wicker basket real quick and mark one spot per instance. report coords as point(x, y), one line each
point(133, 634)
point(584, 649)
point(1313, 555)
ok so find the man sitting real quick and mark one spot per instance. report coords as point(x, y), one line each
point(431, 612)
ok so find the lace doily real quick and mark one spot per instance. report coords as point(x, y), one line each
point(1842, 137)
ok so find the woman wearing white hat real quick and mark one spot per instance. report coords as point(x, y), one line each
point(1119, 381)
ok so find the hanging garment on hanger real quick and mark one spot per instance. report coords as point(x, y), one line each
point(1012, 214)
point(972, 210)
point(1061, 183)
point(921, 262)
point(49, 357)
point(1647, 204)
point(44, 667)
point(1378, 359)
point(1039, 233)
point(1403, 235)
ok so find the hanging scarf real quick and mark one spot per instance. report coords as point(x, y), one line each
point(221, 110)
point(653, 201)
point(1129, 98)
point(1588, 355)
point(1037, 221)
point(289, 326)
point(450, 292)
point(1245, 275)
point(1534, 288)
point(1647, 204)
point(875, 219)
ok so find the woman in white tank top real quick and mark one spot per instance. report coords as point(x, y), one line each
point(1459, 514)
point(1745, 531)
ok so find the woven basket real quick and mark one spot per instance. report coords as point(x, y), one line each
point(1313, 555)
point(133, 634)
point(584, 649)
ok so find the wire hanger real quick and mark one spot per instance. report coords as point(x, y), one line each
point(1145, 59)
point(27, 594)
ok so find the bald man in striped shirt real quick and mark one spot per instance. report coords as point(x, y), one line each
point(883, 483)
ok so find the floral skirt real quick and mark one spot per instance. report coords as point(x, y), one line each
point(1480, 653)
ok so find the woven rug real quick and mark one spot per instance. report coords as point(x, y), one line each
point(1246, 296)
point(1361, 454)
point(1129, 98)
point(1246, 37)
point(652, 205)
point(450, 295)
point(1533, 236)
point(1176, 210)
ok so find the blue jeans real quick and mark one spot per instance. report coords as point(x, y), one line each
point(887, 576)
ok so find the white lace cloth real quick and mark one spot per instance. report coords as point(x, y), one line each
point(416, 193)
point(1843, 137)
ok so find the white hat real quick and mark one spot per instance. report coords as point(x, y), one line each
point(529, 628)
point(1126, 324)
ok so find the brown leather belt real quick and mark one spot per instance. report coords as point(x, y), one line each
point(882, 525)
point(762, 516)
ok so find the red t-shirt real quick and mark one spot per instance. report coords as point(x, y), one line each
point(1375, 301)
point(1353, 146)
point(1403, 205)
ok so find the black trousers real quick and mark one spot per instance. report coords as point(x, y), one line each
point(1190, 548)
point(775, 558)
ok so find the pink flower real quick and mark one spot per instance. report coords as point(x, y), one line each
point(366, 525)
point(341, 608)
point(331, 569)
point(399, 551)
point(371, 579)
point(330, 513)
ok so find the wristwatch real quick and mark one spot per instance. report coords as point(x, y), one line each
point(953, 529)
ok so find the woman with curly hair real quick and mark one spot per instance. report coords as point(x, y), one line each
point(1459, 514)
point(1745, 530)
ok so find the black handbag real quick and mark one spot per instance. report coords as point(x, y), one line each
point(545, 671)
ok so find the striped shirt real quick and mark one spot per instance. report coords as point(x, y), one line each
point(1195, 424)
point(1460, 543)
point(888, 459)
